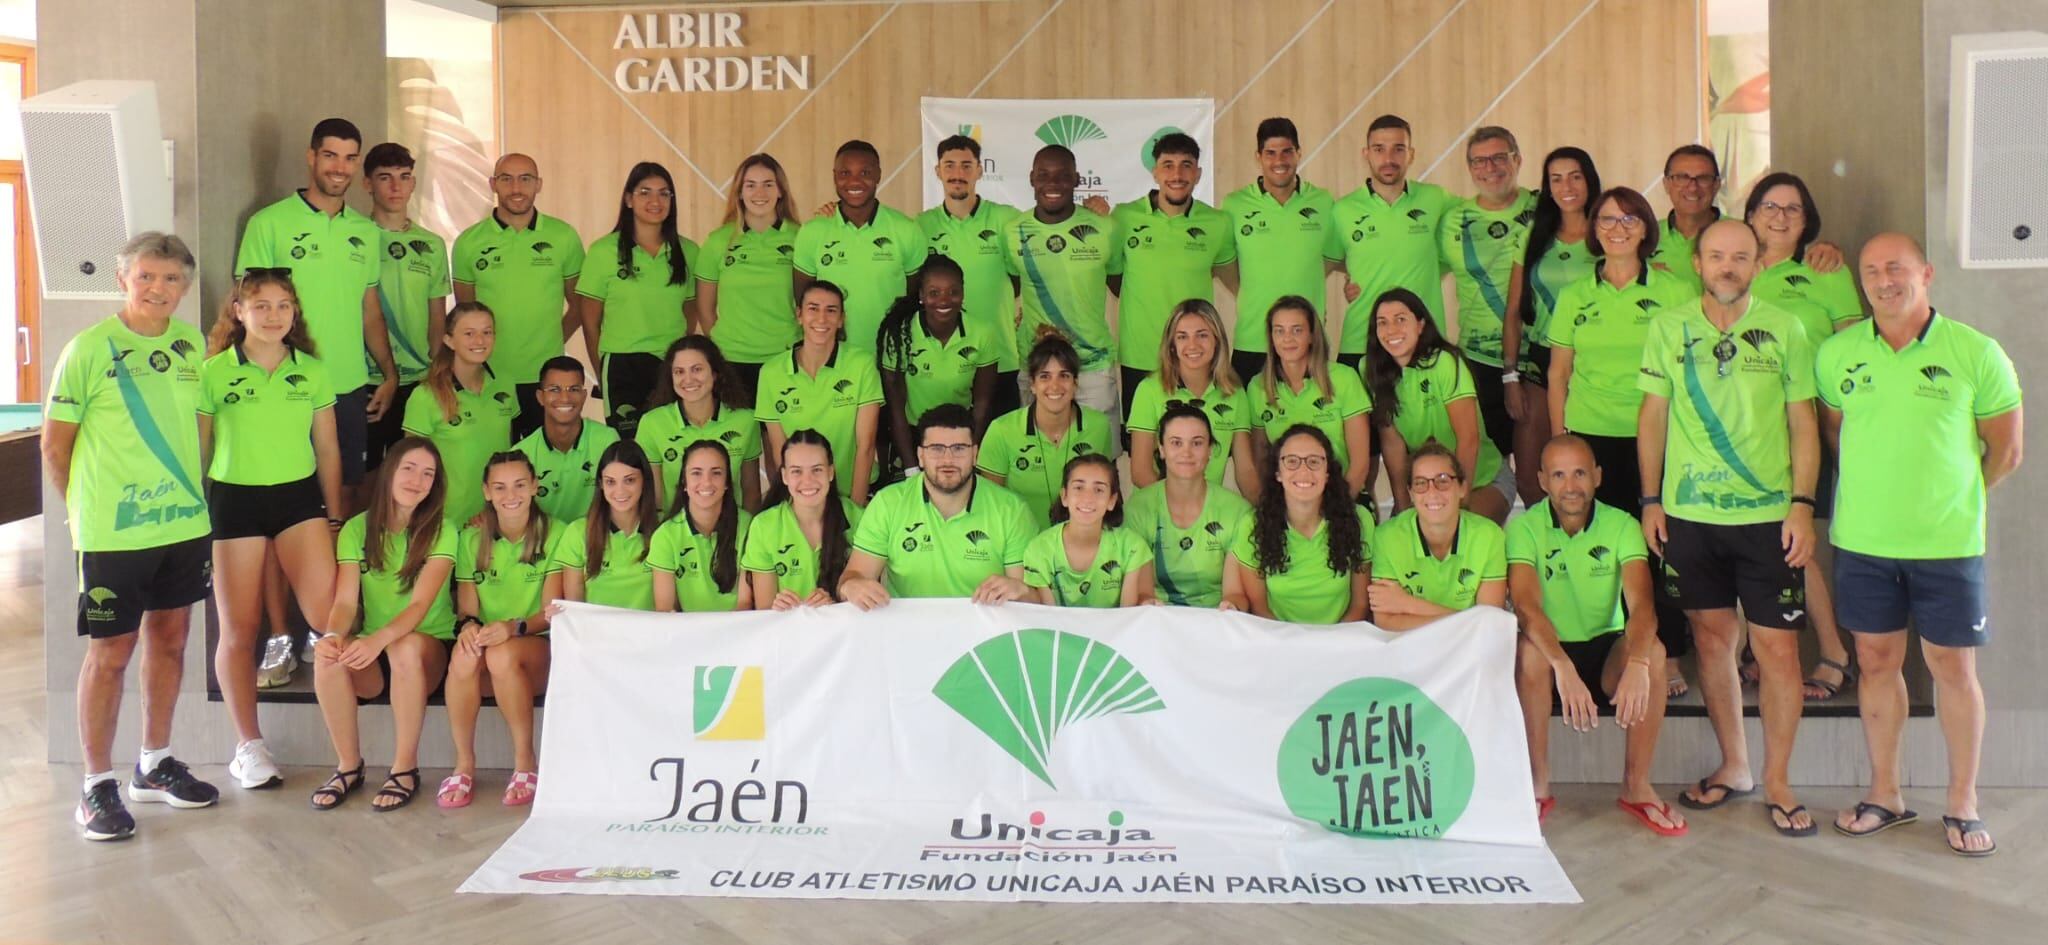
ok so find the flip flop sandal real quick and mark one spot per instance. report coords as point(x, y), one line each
point(1964, 827)
point(1886, 819)
point(455, 791)
point(1832, 689)
point(1689, 802)
point(1642, 813)
point(338, 787)
point(393, 787)
point(523, 786)
point(1788, 830)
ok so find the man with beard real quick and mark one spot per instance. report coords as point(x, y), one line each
point(1281, 223)
point(942, 532)
point(871, 251)
point(1065, 260)
point(1384, 236)
point(1174, 248)
point(1727, 433)
point(968, 229)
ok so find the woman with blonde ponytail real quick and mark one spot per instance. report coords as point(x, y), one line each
point(464, 407)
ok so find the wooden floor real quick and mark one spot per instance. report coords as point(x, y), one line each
point(262, 868)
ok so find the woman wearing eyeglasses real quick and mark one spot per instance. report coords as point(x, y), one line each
point(1436, 559)
point(1304, 553)
point(1423, 392)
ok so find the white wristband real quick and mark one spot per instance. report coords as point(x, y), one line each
point(1510, 377)
point(909, 471)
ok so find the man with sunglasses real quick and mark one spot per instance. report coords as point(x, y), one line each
point(1729, 450)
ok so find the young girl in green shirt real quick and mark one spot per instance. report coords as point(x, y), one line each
point(695, 555)
point(605, 562)
point(1087, 559)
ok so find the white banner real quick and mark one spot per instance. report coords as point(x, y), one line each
point(1111, 140)
point(943, 750)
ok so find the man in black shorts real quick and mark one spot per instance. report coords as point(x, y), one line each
point(121, 446)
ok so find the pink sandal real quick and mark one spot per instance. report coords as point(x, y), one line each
point(521, 790)
point(455, 791)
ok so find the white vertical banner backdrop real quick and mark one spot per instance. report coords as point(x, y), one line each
point(1111, 139)
point(943, 750)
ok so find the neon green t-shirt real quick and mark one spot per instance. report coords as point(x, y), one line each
point(482, 426)
point(1562, 265)
point(1063, 272)
point(1100, 583)
point(1279, 252)
point(567, 479)
point(829, 402)
point(940, 372)
point(1385, 246)
point(643, 313)
point(1229, 415)
point(134, 480)
point(1426, 390)
point(1305, 591)
point(756, 317)
point(626, 578)
point(1674, 252)
point(412, 273)
point(1580, 574)
point(1823, 302)
point(665, 434)
point(687, 557)
point(776, 545)
point(976, 243)
point(870, 263)
point(1605, 328)
point(1478, 554)
point(1911, 484)
point(1032, 463)
point(333, 261)
point(1187, 562)
point(521, 274)
point(928, 555)
point(506, 587)
point(1728, 449)
point(1478, 247)
point(384, 596)
point(1167, 260)
point(263, 421)
point(1310, 405)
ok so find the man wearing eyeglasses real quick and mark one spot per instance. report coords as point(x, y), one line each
point(1477, 241)
point(1729, 451)
point(943, 532)
point(1692, 179)
point(566, 447)
point(523, 264)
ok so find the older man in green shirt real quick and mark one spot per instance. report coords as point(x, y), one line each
point(524, 265)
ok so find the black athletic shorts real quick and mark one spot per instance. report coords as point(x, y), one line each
point(1717, 566)
point(629, 380)
point(749, 376)
point(262, 511)
point(528, 419)
point(1589, 657)
point(1493, 407)
point(352, 430)
point(1003, 399)
point(115, 587)
point(387, 429)
point(1247, 364)
point(1352, 361)
point(1537, 368)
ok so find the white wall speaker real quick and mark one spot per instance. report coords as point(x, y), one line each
point(1998, 149)
point(94, 157)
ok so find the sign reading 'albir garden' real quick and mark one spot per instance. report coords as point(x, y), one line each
point(695, 71)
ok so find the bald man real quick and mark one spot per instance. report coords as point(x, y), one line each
point(1920, 406)
point(523, 264)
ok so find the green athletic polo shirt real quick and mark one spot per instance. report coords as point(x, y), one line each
point(1187, 562)
point(1674, 251)
point(756, 317)
point(1385, 246)
point(1306, 591)
point(1167, 260)
point(776, 545)
point(1478, 247)
point(334, 260)
point(643, 313)
point(1605, 328)
point(928, 555)
point(1912, 485)
point(677, 550)
point(521, 274)
point(625, 580)
point(263, 421)
point(412, 273)
point(1279, 252)
point(665, 434)
point(134, 480)
point(940, 372)
point(828, 403)
point(1309, 405)
point(567, 479)
point(384, 596)
point(1580, 574)
point(870, 263)
point(1559, 267)
point(1031, 464)
point(1229, 415)
point(1426, 390)
point(1478, 554)
point(506, 587)
point(976, 243)
point(1101, 583)
point(1728, 452)
point(1823, 302)
point(482, 426)
point(1063, 272)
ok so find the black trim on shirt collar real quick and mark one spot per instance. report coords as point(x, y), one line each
point(1422, 541)
point(796, 352)
point(531, 225)
point(1031, 419)
point(1600, 268)
point(973, 491)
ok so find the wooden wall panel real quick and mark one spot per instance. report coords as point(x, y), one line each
point(1617, 77)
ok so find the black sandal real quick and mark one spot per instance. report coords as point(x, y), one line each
point(1831, 689)
point(338, 787)
point(394, 788)
point(1964, 827)
point(1886, 820)
point(1790, 827)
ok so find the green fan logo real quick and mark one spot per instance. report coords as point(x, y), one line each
point(1082, 231)
point(1213, 528)
point(1308, 213)
point(1758, 338)
point(842, 386)
point(182, 348)
point(420, 246)
point(1377, 757)
point(1934, 372)
point(100, 595)
point(1069, 130)
point(1021, 688)
point(1797, 279)
point(1647, 305)
point(1599, 552)
point(986, 236)
point(976, 536)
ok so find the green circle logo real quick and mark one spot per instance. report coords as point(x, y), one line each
point(1375, 757)
point(1145, 156)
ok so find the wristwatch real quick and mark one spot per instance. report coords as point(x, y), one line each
point(519, 629)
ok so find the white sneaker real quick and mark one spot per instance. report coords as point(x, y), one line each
point(252, 767)
point(278, 662)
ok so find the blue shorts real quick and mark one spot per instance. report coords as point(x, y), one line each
point(1943, 597)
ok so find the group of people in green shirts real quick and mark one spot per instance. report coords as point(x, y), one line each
point(931, 404)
